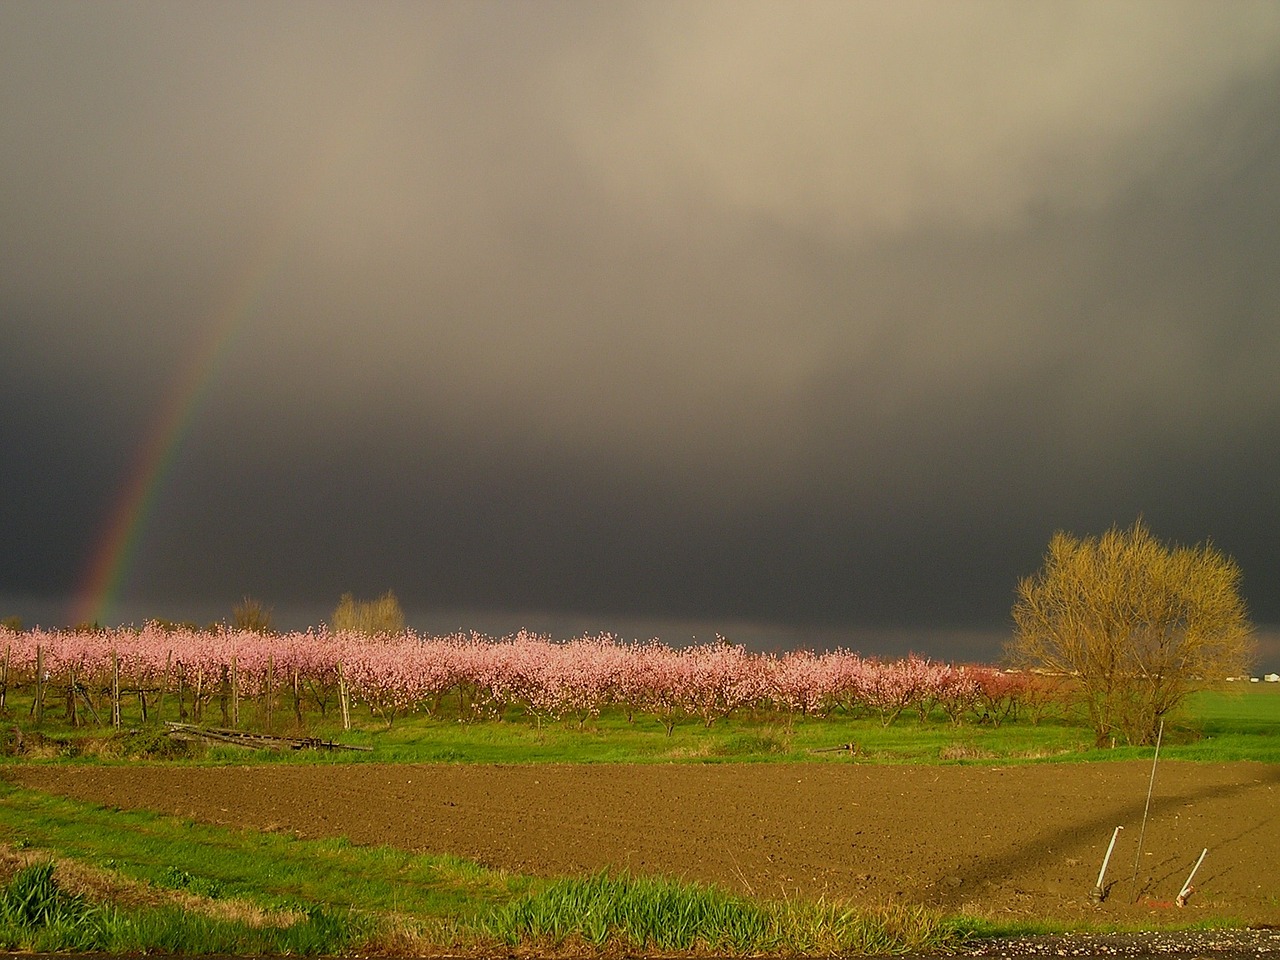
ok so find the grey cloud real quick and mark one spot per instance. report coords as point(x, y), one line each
point(686, 312)
point(878, 117)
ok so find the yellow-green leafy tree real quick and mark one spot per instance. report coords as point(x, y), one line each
point(372, 617)
point(1136, 625)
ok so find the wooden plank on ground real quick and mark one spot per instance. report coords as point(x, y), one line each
point(256, 741)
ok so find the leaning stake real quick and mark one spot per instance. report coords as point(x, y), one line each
point(1186, 890)
point(1147, 809)
point(1099, 891)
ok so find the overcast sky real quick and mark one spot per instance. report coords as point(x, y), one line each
point(803, 321)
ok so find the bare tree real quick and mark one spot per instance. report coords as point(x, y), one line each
point(250, 614)
point(1136, 624)
point(369, 616)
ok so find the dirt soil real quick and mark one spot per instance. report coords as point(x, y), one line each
point(1004, 842)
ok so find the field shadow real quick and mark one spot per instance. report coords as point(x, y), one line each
point(1034, 854)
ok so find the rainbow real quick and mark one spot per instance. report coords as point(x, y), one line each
point(336, 148)
point(111, 558)
point(113, 554)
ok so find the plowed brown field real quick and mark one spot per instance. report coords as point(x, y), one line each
point(998, 841)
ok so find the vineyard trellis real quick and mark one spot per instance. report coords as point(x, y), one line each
point(203, 670)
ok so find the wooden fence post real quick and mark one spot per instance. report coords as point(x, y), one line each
point(115, 691)
point(84, 692)
point(164, 684)
point(344, 699)
point(72, 716)
point(235, 695)
point(271, 678)
point(224, 695)
point(38, 706)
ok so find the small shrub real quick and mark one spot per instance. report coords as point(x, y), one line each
point(16, 742)
point(35, 913)
point(156, 744)
point(748, 744)
point(964, 751)
point(178, 879)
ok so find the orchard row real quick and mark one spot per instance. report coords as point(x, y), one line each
point(486, 678)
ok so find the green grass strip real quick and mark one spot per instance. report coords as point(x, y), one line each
point(1240, 722)
point(272, 870)
point(652, 913)
point(176, 931)
point(37, 915)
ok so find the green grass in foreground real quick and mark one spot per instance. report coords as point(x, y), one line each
point(37, 915)
point(273, 871)
point(328, 897)
point(656, 913)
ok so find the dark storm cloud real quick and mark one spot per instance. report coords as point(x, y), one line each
point(699, 313)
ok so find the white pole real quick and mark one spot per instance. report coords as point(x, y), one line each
point(1137, 861)
point(1099, 891)
point(1185, 892)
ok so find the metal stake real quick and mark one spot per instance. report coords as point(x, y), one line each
point(1099, 891)
point(1147, 809)
point(1185, 892)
